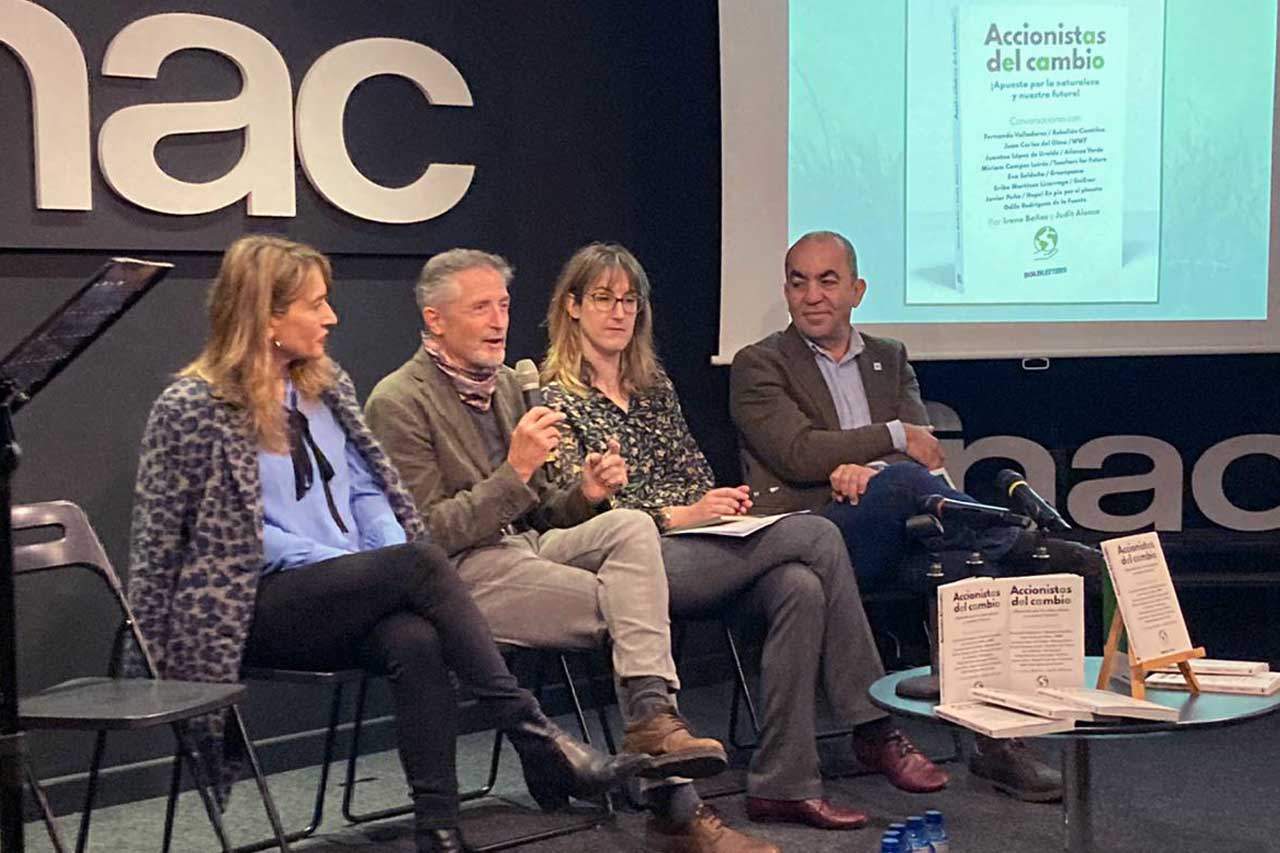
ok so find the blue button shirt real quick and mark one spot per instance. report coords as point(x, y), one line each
point(849, 395)
point(300, 532)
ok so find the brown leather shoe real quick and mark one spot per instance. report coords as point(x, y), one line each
point(901, 762)
point(675, 750)
point(706, 833)
point(818, 812)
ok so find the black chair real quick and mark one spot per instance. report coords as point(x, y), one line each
point(111, 703)
point(337, 681)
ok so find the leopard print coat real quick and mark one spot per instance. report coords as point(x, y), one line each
point(196, 550)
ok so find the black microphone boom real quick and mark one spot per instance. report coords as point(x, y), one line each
point(969, 513)
point(1026, 500)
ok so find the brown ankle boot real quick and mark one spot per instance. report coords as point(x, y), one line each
point(706, 833)
point(666, 737)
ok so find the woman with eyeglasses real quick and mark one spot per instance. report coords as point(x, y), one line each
point(270, 530)
point(601, 370)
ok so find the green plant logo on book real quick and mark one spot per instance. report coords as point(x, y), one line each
point(1045, 242)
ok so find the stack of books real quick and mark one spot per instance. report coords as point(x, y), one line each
point(1253, 678)
point(1047, 710)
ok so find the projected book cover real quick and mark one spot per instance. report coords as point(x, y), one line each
point(1053, 195)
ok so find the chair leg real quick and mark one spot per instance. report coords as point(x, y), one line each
point(91, 789)
point(50, 822)
point(348, 795)
point(741, 692)
point(203, 785)
point(171, 804)
point(326, 762)
point(573, 697)
point(602, 710)
point(273, 816)
point(495, 758)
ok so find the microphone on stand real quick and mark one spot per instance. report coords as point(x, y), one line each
point(530, 383)
point(972, 514)
point(1031, 504)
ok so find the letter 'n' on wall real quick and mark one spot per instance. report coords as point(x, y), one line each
point(263, 110)
point(59, 82)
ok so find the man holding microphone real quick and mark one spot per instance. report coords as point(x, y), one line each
point(549, 566)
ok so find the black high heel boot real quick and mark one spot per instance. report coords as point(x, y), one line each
point(557, 766)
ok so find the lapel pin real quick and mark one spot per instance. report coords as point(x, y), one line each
point(875, 365)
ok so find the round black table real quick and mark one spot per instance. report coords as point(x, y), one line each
point(1195, 711)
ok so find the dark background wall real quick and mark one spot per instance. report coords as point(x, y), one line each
point(589, 123)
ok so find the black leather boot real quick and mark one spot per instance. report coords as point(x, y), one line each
point(557, 766)
point(446, 840)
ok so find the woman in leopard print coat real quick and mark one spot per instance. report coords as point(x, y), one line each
point(236, 559)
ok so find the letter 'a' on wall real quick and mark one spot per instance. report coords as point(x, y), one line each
point(322, 147)
point(127, 140)
point(59, 84)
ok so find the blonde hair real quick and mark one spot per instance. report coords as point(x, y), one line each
point(260, 276)
point(641, 369)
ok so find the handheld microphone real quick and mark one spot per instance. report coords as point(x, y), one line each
point(972, 514)
point(530, 383)
point(1025, 499)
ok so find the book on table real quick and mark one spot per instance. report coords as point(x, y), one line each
point(1255, 684)
point(1105, 703)
point(1031, 703)
point(1015, 633)
point(1218, 666)
point(999, 722)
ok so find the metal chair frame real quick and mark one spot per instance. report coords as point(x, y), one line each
point(154, 701)
point(339, 679)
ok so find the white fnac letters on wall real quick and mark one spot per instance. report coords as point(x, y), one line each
point(263, 111)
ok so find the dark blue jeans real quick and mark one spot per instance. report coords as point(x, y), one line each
point(873, 528)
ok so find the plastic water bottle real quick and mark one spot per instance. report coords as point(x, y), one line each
point(936, 831)
point(915, 839)
point(890, 844)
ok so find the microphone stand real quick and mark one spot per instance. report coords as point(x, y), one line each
point(12, 747)
point(925, 687)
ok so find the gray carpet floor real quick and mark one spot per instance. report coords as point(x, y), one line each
point(1201, 792)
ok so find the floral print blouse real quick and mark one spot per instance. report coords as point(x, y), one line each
point(664, 465)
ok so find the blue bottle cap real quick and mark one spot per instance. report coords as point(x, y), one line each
point(897, 827)
point(915, 822)
point(933, 816)
point(890, 845)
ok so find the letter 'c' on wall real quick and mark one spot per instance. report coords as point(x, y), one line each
point(127, 140)
point(1206, 482)
point(322, 148)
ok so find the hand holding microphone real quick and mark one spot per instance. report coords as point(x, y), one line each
point(536, 434)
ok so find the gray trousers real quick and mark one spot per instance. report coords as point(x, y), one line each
point(567, 588)
point(796, 576)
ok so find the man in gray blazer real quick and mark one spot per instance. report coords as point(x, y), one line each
point(831, 420)
point(549, 567)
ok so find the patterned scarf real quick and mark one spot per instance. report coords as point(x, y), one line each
point(474, 387)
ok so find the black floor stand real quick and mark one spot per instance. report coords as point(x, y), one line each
point(11, 743)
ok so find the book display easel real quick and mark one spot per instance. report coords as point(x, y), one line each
point(1147, 603)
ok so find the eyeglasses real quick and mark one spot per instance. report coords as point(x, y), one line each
point(603, 301)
